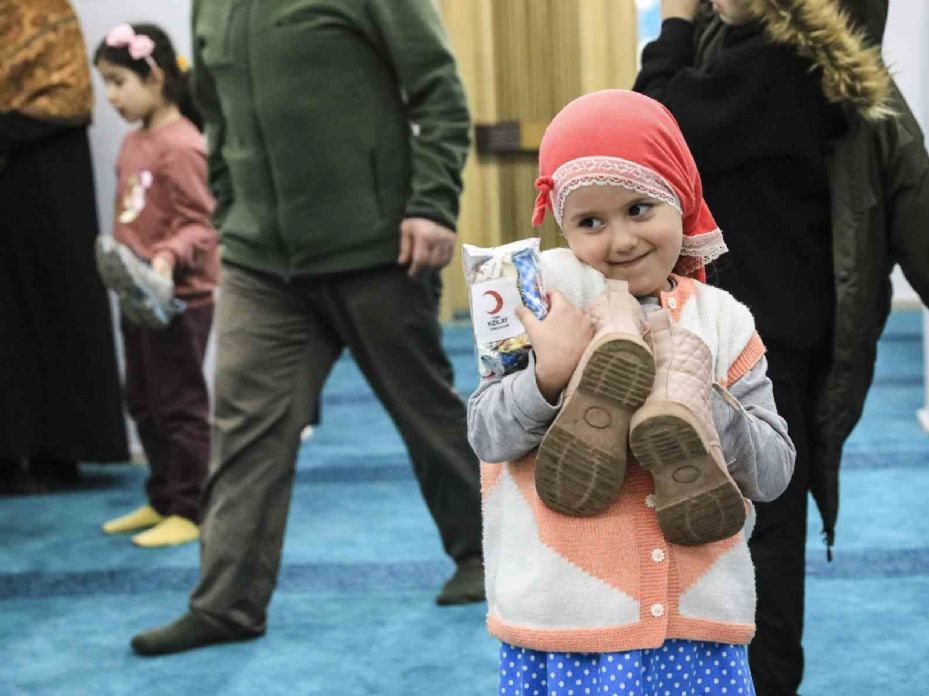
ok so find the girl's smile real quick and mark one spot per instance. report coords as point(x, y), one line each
point(628, 263)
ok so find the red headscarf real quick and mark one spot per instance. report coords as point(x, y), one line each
point(626, 139)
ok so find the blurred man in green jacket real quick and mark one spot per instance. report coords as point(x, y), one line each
point(337, 133)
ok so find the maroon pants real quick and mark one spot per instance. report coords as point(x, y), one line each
point(167, 398)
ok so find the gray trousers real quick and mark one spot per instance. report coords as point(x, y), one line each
point(276, 343)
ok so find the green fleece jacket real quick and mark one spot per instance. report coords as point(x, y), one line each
point(328, 122)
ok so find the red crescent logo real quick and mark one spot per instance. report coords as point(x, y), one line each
point(497, 298)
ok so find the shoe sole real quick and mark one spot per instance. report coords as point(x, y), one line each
point(164, 545)
point(581, 463)
point(696, 500)
point(119, 277)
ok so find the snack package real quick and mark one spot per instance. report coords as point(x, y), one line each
point(500, 279)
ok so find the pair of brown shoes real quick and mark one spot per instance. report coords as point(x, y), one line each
point(645, 386)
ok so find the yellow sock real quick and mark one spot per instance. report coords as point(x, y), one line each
point(171, 531)
point(145, 516)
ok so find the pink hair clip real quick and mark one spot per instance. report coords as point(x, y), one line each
point(139, 45)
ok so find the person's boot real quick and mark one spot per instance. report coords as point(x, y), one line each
point(673, 437)
point(190, 631)
point(581, 462)
point(466, 585)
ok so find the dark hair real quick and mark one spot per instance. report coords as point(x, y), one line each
point(177, 82)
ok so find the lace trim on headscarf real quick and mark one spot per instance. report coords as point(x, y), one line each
point(609, 171)
point(700, 249)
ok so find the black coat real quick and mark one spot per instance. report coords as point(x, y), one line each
point(757, 124)
point(59, 386)
point(878, 195)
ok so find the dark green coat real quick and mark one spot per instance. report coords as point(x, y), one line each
point(879, 178)
point(328, 122)
point(879, 182)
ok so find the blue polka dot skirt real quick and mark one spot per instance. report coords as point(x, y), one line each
point(677, 668)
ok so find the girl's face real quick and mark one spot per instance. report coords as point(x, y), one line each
point(624, 235)
point(134, 97)
point(733, 12)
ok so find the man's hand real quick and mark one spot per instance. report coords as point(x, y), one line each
point(425, 244)
point(679, 9)
point(163, 265)
point(558, 342)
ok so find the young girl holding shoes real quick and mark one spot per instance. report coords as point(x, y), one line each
point(163, 266)
point(619, 465)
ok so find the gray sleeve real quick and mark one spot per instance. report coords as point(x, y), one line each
point(507, 417)
point(754, 438)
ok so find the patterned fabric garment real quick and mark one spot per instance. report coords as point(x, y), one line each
point(677, 668)
point(43, 65)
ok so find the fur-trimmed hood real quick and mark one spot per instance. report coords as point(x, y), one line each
point(823, 31)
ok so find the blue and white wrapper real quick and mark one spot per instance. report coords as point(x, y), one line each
point(500, 279)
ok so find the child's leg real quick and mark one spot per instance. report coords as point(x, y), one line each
point(141, 388)
point(178, 410)
point(179, 404)
point(138, 394)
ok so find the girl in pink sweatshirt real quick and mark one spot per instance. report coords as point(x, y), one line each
point(163, 263)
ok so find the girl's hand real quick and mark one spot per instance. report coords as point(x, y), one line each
point(163, 265)
point(558, 342)
point(679, 9)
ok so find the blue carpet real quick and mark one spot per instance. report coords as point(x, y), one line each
point(354, 610)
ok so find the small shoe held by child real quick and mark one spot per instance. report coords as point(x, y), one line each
point(581, 463)
point(673, 438)
point(171, 531)
point(142, 518)
point(145, 296)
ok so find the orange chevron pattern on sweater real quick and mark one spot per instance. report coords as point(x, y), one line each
point(611, 582)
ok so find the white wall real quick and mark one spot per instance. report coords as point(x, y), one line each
point(907, 53)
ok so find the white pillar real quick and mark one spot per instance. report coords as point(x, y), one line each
point(923, 413)
point(907, 54)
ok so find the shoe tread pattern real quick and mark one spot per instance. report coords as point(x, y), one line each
point(581, 462)
point(697, 502)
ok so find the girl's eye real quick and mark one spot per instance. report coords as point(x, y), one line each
point(590, 222)
point(639, 209)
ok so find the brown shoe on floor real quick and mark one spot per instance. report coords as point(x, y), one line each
point(674, 439)
point(581, 463)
